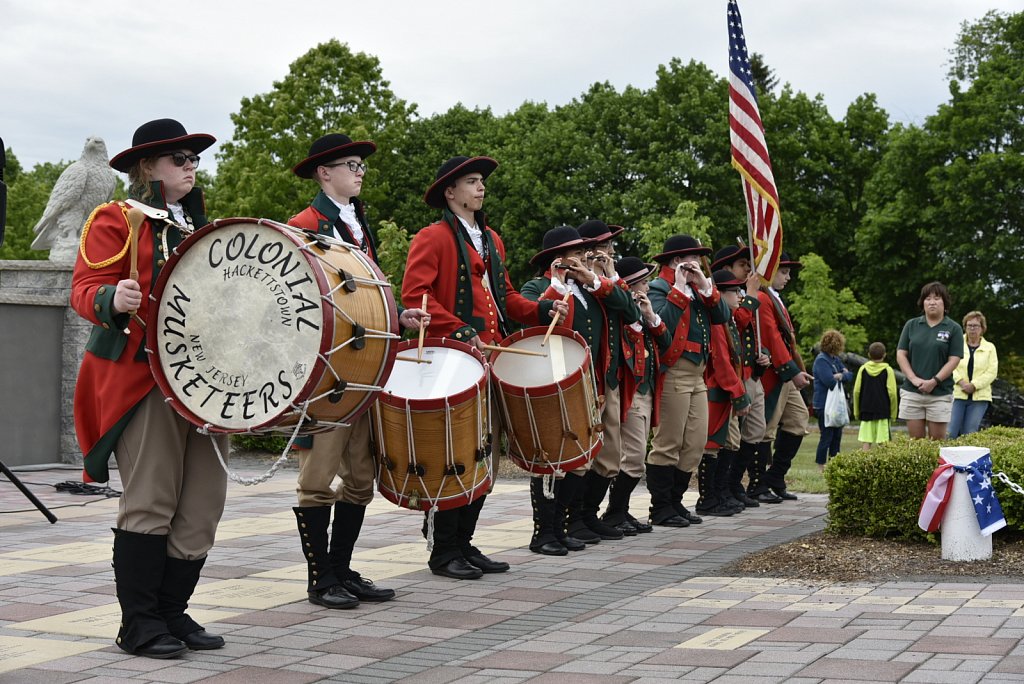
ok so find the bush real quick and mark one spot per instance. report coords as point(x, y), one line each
point(878, 493)
point(273, 444)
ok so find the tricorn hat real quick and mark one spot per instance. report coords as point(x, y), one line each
point(329, 147)
point(555, 240)
point(727, 255)
point(633, 269)
point(452, 170)
point(154, 137)
point(679, 245)
point(595, 230)
point(725, 280)
point(786, 260)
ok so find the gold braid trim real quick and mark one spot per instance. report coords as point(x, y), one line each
point(85, 233)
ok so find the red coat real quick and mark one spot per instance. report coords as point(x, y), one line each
point(112, 379)
point(725, 387)
point(784, 366)
point(433, 269)
point(642, 353)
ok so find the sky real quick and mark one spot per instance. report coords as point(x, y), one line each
point(70, 69)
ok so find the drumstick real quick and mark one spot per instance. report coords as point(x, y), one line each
point(511, 350)
point(412, 359)
point(554, 320)
point(135, 219)
point(423, 331)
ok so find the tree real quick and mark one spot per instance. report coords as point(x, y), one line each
point(393, 248)
point(328, 89)
point(947, 200)
point(763, 75)
point(820, 307)
point(685, 221)
point(27, 194)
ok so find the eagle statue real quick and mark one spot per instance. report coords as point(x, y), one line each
point(83, 186)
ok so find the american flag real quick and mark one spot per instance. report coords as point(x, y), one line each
point(750, 154)
point(979, 485)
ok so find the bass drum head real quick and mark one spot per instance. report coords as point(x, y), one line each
point(239, 325)
point(565, 355)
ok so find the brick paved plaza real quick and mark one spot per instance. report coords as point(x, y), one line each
point(647, 609)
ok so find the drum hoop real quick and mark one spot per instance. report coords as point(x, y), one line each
point(326, 338)
point(435, 403)
point(551, 388)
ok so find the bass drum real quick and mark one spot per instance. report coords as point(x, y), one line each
point(259, 327)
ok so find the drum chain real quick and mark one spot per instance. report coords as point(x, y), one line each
point(1009, 483)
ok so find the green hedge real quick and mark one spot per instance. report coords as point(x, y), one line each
point(878, 493)
point(273, 444)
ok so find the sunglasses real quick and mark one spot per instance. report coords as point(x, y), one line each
point(179, 158)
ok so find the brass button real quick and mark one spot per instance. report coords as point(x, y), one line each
point(160, 262)
point(106, 327)
point(102, 290)
point(97, 307)
point(458, 335)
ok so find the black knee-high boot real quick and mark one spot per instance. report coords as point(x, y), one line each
point(660, 481)
point(544, 540)
point(709, 503)
point(617, 512)
point(680, 482)
point(348, 521)
point(323, 587)
point(726, 457)
point(786, 446)
point(139, 562)
point(758, 488)
point(566, 489)
point(594, 489)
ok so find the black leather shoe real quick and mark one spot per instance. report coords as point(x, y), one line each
point(641, 527)
point(768, 498)
point(747, 501)
point(672, 521)
point(551, 549)
point(202, 640)
point(720, 510)
point(161, 647)
point(365, 590)
point(604, 531)
point(333, 597)
point(487, 565)
point(685, 513)
point(626, 528)
point(572, 543)
point(585, 534)
point(458, 569)
point(783, 494)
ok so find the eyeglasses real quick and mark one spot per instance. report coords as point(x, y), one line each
point(179, 158)
point(354, 167)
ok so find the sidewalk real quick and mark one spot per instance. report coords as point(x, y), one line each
point(646, 609)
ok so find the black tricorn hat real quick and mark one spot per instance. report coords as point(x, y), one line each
point(555, 240)
point(727, 255)
point(596, 230)
point(786, 260)
point(679, 245)
point(328, 147)
point(633, 269)
point(725, 280)
point(161, 135)
point(452, 170)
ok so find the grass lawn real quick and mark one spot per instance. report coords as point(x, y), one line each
point(803, 474)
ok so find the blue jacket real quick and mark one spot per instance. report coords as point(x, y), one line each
point(825, 367)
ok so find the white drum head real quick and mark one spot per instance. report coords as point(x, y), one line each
point(449, 372)
point(239, 325)
point(564, 356)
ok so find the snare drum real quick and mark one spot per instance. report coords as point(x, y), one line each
point(259, 326)
point(549, 404)
point(431, 427)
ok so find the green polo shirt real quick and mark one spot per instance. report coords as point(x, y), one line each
point(929, 347)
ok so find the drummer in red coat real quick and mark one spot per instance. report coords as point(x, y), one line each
point(174, 486)
point(338, 165)
point(459, 263)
